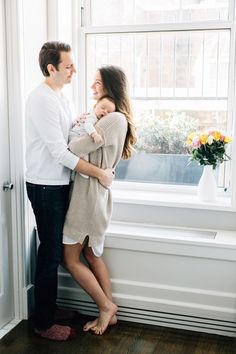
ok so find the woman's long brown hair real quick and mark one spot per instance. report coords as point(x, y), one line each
point(115, 85)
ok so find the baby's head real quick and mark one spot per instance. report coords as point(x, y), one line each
point(104, 105)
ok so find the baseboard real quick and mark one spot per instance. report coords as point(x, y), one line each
point(156, 318)
point(28, 301)
point(171, 277)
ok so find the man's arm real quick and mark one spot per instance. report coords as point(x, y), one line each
point(105, 177)
point(50, 131)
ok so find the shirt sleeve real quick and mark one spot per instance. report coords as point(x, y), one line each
point(46, 119)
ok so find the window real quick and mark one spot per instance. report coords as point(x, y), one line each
point(178, 56)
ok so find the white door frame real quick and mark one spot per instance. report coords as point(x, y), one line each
point(15, 76)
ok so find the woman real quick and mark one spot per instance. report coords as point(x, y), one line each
point(91, 204)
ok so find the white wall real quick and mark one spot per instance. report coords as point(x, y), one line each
point(34, 35)
point(34, 25)
point(172, 280)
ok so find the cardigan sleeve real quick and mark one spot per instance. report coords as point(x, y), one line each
point(84, 144)
point(108, 127)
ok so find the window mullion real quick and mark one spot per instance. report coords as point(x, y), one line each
point(231, 171)
point(161, 62)
point(231, 14)
point(217, 63)
point(146, 66)
point(108, 48)
point(174, 71)
point(203, 62)
point(189, 62)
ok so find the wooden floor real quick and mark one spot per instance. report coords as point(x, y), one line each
point(124, 338)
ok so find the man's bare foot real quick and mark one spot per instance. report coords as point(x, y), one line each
point(92, 324)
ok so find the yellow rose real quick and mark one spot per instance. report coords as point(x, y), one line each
point(203, 138)
point(216, 135)
point(190, 138)
point(227, 139)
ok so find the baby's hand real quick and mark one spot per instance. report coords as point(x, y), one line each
point(96, 137)
point(80, 120)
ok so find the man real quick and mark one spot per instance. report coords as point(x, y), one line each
point(49, 162)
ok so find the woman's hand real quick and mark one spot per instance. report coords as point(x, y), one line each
point(107, 177)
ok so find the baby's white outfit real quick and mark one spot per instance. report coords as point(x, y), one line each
point(84, 125)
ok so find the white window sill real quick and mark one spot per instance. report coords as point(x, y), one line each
point(168, 196)
point(159, 233)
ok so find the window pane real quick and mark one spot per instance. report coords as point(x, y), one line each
point(178, 83)
point(170, 64)
point(161, 154)
point(122, 12)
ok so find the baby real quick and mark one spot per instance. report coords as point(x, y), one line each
point(85, 123)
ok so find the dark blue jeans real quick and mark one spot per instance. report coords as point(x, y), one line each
point(49, 204)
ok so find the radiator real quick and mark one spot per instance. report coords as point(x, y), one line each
point(169, 277)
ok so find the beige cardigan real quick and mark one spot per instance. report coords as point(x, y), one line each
point(90, 206)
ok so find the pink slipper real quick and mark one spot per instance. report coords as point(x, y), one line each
point(57, 332)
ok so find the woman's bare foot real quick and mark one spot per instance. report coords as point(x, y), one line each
point(92, 324)
point(113, 321)
point(105, 316)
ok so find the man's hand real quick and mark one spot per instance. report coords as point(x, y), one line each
point(107, 177)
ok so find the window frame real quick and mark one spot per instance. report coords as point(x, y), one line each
point(155, 192)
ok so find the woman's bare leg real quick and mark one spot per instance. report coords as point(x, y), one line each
point(100, 271)
point(85, 277)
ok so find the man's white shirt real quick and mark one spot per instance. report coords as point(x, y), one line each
point(49, 117)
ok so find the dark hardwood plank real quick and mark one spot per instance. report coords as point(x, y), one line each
point(124, 338)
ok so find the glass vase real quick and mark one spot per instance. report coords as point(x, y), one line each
point(207, 187)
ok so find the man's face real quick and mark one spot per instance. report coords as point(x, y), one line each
point(66, 69)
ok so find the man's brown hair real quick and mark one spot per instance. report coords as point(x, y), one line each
point(50, 54)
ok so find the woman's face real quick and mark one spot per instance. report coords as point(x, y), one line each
point(97, 87)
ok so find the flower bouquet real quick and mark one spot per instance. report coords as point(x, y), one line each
point(208, 147)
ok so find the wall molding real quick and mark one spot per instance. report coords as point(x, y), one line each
point(129, 312)
point(180, 278)
point(15, 89)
